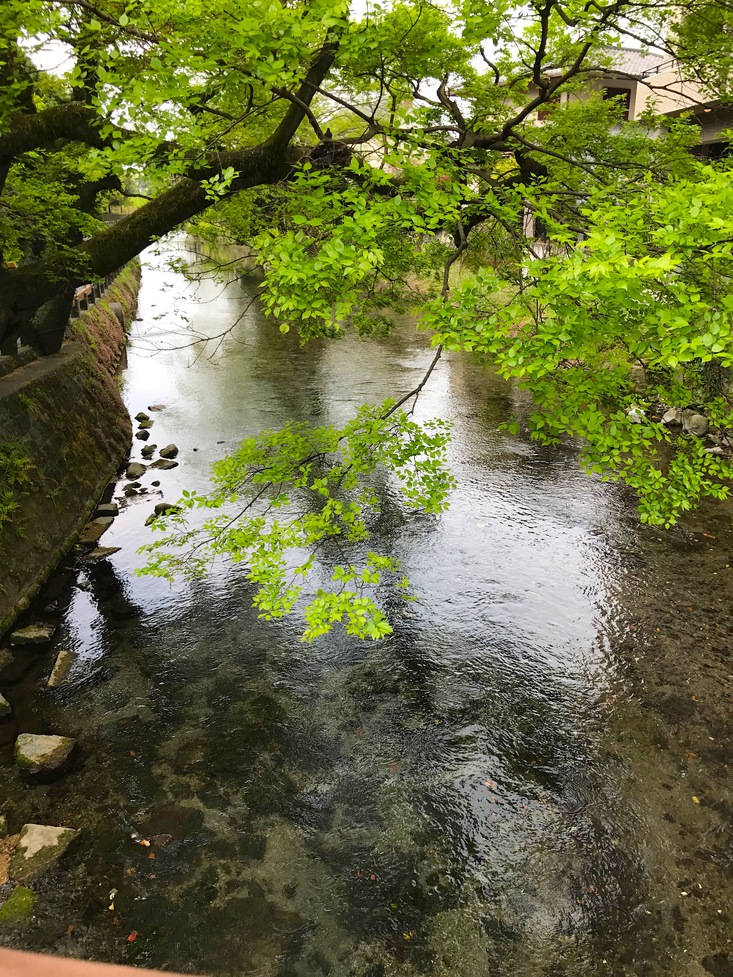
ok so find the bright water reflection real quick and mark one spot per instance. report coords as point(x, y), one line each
point(454, 801)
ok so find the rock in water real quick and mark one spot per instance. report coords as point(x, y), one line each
point(146, 423)
point(107, 509)
point(142, 416)
point(142, 435)
point(5, 707)
point(164, 464)
point(135, 470)
point(156, 407)
point(695, 423)
point(100, 553)
point(64, 661)
point(149, 450)
point(19, 905)
point(161, 508)
point(94, 529)
point(39, 848)
point(34, 634)
point(37, 753)
point(170, 451)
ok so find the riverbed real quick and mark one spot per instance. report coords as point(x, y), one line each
point(528, 777)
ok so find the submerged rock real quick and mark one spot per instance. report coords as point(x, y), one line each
point(34, 634)
point(64, 660)
point(156, 407)
point(5, 709)
point(38, 753)
point(39, 848)
point(19, 905)
point(164, 464)
point(170, 451)
point(94, 529)
point(135, 470)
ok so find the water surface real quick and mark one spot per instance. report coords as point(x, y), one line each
point(503, 786)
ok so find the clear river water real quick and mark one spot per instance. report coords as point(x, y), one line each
point(528, 777)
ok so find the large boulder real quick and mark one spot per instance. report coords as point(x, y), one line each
point(34, 634)
point(37, 753)
point(39, 848)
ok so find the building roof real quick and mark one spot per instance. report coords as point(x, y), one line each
point(633, 62)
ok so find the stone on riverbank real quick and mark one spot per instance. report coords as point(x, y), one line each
point(695, 423)
point(34, 634)
point(39, 847)
point(64, 661)
point(164, 464)
point(135, 470)
point(170, 451)
point(5, 710)
point(19, 905)
point(94, 529)
point(672, 417)
point(38, 753)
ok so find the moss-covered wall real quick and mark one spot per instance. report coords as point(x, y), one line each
point(63, 431)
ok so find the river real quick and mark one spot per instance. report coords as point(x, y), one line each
point(528, 777)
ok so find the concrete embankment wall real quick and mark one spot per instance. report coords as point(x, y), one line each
point(63, 432)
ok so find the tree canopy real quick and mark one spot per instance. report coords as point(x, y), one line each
point(391, 156)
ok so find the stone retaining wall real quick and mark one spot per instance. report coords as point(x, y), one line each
point(63, 432)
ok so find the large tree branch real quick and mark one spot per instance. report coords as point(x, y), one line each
point(72, 120)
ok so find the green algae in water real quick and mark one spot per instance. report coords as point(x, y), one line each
point(18, 906)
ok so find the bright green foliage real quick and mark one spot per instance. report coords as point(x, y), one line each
point(390, 158)
point(295, 500)
point(647, 288)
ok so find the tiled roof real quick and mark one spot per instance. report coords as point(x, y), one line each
point(632, 62)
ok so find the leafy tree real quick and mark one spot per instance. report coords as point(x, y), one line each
point(380, 160)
